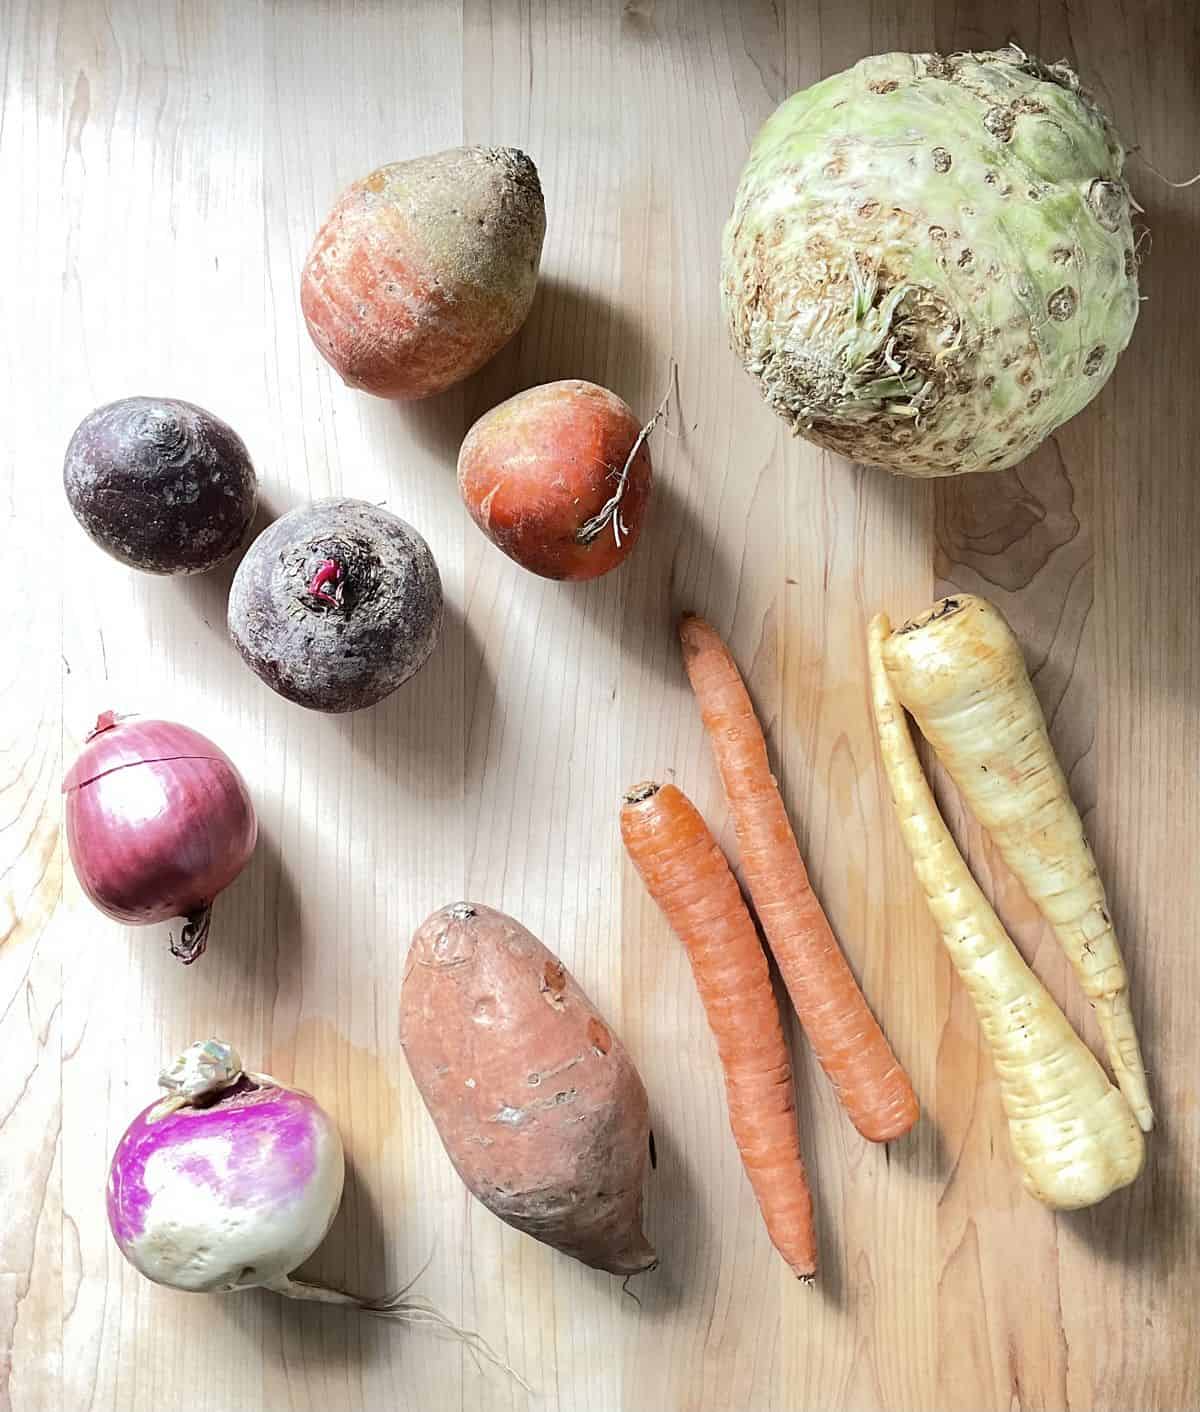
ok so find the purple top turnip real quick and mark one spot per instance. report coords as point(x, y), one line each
point(228, 1183)
point(161, 485)
point(231, 1181)
point(336, 604)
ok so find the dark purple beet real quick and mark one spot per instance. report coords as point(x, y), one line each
point(160, 484)
point(336, 604)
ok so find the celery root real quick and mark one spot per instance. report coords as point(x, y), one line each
point(959, 671)
point(1074, 1134)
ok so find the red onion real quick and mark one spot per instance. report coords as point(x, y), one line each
point(158, 822)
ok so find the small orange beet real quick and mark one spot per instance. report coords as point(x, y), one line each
point(547, 477)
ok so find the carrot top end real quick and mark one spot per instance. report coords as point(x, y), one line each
point(646, 790)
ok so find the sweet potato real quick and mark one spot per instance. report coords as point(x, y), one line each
point(550, 477)
point(424, 269)
point(539, 1106)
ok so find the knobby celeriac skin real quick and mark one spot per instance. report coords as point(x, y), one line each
point(930, 262)
point(959, 670)
point(230, 1182)
point(1074, 1134)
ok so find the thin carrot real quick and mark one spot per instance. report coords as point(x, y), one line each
point(686, 873)
point(844, 1034)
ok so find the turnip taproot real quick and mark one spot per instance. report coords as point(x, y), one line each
point(160, 484)
point(930, 262)
point(425, 269)
point(1073, 1133)
point(536, 1100)
point(336, 604)
point(558, 477)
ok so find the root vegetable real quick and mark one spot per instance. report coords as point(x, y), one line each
point(161, 485)
point(844, 1034)
point(336, 604)
point(686, 873)
point(228, 1183)
point(558, 477)
point(536, 1100)
point(1073, 1133)
point(959, 670)
point(425, 269)
point(930, 263)
point(231, 1182)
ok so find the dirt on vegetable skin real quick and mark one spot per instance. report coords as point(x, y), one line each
point(160, 484)
point(424, 269)
point(336, 604)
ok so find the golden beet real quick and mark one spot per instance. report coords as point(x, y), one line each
point(549, 477)
point(424, 269)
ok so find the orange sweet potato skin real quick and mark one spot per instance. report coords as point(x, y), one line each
point(536, 1100)
point(534, 470)
point(424, 269)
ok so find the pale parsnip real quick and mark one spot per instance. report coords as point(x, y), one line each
point(959, 671)
point(1073, 1133)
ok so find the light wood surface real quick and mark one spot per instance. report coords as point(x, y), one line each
point(164, 168)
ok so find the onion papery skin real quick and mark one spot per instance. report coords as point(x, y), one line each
point(159, 821)
point(214, 1196)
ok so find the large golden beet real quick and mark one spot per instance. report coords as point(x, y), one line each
point(424, 269)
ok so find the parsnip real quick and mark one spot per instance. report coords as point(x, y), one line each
point(1073, 1133)
point(959, 671)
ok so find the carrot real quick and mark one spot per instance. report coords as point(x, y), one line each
point(1074, 1134)
point(959, 670)
point(844, 1034)
point(686, 873)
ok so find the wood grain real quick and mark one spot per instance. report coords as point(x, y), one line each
point(170, 164)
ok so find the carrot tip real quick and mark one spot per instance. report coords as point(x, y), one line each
point(646, 790)
point(688, 625)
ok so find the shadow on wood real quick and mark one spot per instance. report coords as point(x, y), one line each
point(645, 616)
point(207, 595)
point(338, 1337)
point(425, 719)
point(571, 332)
point(674, 1221)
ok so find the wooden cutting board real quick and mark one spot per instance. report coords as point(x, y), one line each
point(165, 167)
